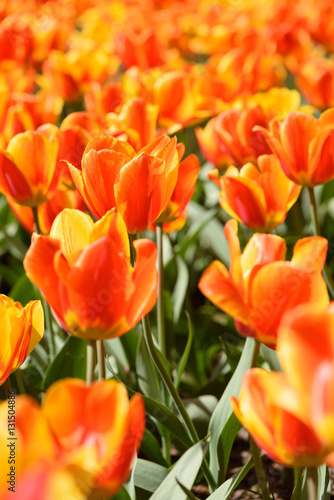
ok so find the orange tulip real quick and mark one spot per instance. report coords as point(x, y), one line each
point(174, 216)
point(260, 287)
point(304, 146)
point(306, 352)
point(28, 173)
point(315, 79)
point(139, 185)
point(86, 451)
point(83, 270)
point(270, 410)
point(21, 330)
point(258, 196)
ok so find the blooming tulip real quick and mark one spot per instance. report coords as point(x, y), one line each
point(21, 330)
point(304, 146)
point(174, 216)
point(306, 352)
point(270, 410)
point(260, 287)
point(258, 196)
point(28, 173)
point(83, 270)
point(139, 184)
point(85, 451)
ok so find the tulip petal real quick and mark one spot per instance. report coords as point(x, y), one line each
point(310, 253)
point(72, 228)
point(12, 181)
point(216, 285)
point(107, 142)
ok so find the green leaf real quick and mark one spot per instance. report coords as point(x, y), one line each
point(180, 288)
point(148, 475)
point(201, 218)
point(189, 493)
point(200, 410)
point(167, 418)
point(23, 291)
point(324, 485)
point(227, 438)
point(185, 470)
point(223, 410)
point(121, 495)
point(69, 362)
point(271, 357)
point(186, 353)
point(151, 448)
point(227, 488)
point(147, 375)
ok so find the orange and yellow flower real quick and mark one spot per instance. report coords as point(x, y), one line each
point(260, 286)
point(258, 196)
point(83, 270)
point(139, 185)
point(86, 451)
point(304, 146)
point(270, 409)
point(28, 173)
point(21, 330)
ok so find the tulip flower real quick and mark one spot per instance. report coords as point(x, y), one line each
point(304, 146)
point(139, 185)
point(315, 79)
point(85, 451)
point(260, 287)
point(306, 352)
point(22, 328)
point(174, 216)
point(28, 173)
point(270, 409)
point(83, 270)
point(260, 197)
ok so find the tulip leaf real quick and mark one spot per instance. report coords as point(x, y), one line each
point(324, 485)
point(185, 354)
point(121, 495)
point(148, 476)
point(151, 448)
point(189, 493)
point(24, 290)
point(271, 357)
point(69, 362)
point(147, 375)
point(167, 418)
point(227, 488)
point(185, 470)
point(180, 289)
point(220, 421)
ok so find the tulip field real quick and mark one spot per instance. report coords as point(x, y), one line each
point(166, 250)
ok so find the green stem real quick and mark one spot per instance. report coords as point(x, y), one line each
point(259, 470)
point(312, 483)
point(132, 238)
point(7, 387)
point(175, 395)
point(100, 359)
point(36, 220)
point(316, 228)
point(256, 353)
point(19, 381)
point(160, 305)
point(256, 452)
point(49, 326)
point(90, 360)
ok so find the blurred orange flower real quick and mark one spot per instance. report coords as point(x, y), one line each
point(28, 173)
point(260, 287)
point(306, 352)
point(271, 411)
point(83, 270)
point(86, 451)
point(258, 196)
point(21, 330)
point(139, 185)
point(315, 79)
point(304, 146)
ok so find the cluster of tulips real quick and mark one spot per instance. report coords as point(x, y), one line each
point(95, 99)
